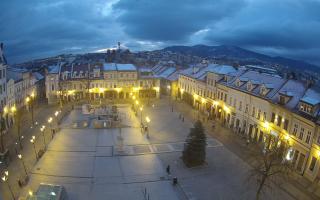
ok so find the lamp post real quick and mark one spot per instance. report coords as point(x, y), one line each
point(24, 167)
point(170, 100)
point(50, 121)
point(17, 121)
point(34, 146)
point(141, 109)
point(42, 129)
point(148, 121)
point(29, 102)
point(5, 180)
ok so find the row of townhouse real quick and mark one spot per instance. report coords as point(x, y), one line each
point(68, 81)
point(16, 85)
point(259, 105)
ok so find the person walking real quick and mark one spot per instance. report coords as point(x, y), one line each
point(168, 170)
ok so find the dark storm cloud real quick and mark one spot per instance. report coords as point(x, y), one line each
point(42, 28)
point(39, 28)
point(288, 27)
point(173, 20)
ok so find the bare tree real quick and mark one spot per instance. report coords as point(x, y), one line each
point(272, 164)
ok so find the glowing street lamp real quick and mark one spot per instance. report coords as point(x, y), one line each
point(56, 113)
point(4, 179)
point(34, 146)
point(141, 109)
point(42, 129)
point(24, 167)
point(148, 121)
point(29, 102)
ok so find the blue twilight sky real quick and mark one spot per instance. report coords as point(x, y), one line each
point(39, 28)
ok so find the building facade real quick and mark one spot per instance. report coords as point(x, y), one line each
point(100, 81)
point(259, 106)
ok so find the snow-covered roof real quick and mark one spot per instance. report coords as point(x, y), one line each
point(109, 67)
point(294, 89)
point(221, 69)
point(118, 67)
point(167, 72)
point(312, 96)
point(53, 69)
point(273, 83)
point(38, 76)
point(126, 67)
point(142, 69)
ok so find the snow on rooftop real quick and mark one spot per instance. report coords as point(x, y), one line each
point(109, 67)
point(167, 72)
point(53, 69)
point(311, 96)
point(38, 76)
point(126, 67)
point(293, 88)
point(118, 67)
point(221, 69)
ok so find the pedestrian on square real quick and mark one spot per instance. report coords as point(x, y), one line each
point(182, 118)
point(168, 170)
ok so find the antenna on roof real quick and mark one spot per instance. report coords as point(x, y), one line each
point(119, 45)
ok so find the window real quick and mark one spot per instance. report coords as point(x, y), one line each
point(253, 111)
point(313, 163)
point(259, 114)
point(234, 102)
point(308, 137)
point(247, 108)
point(264, 116)
point(225, 98)
point(273, 117)
point(301, 133)
point(295, 129)
point(240, 105)
point(286, 124)
point(282, 100)
point(279, 121)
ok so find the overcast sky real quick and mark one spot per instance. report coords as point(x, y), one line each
point(40, 28)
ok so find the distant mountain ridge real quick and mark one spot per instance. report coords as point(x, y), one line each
point(240, 54)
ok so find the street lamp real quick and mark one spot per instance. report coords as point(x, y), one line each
point(29, 102)
point(44, 138)
point(5, 180)
point(148, 121)
point(49, 121)
point(141, 109)
point(34, 146)
point(24, 167)
point(17, 120)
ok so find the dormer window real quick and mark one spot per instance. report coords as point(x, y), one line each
point(305, 107)
point(249, 86)
point(282, 100)
point(238, 83)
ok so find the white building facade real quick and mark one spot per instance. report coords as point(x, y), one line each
point(259, 106)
